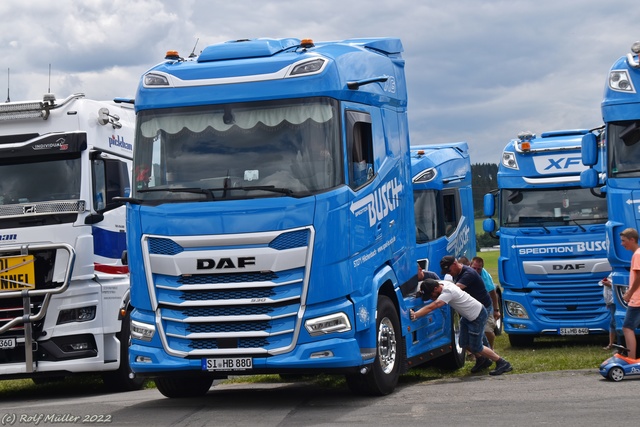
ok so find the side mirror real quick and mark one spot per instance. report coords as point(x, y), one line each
point(589, 150)
point(589, 178)
point(488, 204)
point(488, 225)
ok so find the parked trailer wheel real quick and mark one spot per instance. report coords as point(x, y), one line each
point(382, 378)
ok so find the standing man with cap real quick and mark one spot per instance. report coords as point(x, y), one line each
point(473, 317)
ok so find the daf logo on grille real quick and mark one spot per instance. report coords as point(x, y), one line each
point(224, 263)
point(31, 209)
point(569, 266)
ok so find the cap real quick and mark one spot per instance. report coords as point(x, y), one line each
point(426, 288)
point(445, 263)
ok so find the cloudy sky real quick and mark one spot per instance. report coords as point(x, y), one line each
point(479, 71)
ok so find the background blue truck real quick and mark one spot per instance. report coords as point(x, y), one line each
point(271, 226)
point(621, 115)
point(552, 239)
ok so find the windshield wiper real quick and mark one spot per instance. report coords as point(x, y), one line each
point(194, 190)
point(578, 224)
point(272, 188)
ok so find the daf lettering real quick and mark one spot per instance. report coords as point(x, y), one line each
point(224, 263)
point(569, 267)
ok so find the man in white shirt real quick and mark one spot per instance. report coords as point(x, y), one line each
point(473, 318)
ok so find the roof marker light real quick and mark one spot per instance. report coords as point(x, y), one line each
point(307, 43)
point(172, 55)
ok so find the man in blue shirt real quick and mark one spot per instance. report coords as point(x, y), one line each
point(477, 263)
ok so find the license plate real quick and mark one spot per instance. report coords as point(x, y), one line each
point(574, 331)
point(228, 364)
point(7, 343)
point(17, 273)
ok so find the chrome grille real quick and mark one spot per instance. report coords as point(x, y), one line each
point(584, 303)
point(41, 208)
point(221, 313)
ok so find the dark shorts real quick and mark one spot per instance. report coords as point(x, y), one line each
point(632, 318)
point(612, 321)
point(472, 332)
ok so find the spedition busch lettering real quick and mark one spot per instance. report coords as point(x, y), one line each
point(118, 141)
point(383, 200)
point(594, 246)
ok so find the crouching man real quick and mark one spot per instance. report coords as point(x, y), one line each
point(473, 318)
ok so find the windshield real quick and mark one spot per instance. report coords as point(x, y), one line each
point(623, 138)
point(39, 180)
point(552, 207)
point(261, 149)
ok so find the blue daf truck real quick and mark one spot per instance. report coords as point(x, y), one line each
point(552, 239)
point(271, 226)
point(621, 153)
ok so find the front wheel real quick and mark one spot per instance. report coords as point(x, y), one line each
point(456, 358)
point(520, 340)
point(181, 387)
point(616, 374)
point(382, 378)
point(498, 329)
point(123, 378)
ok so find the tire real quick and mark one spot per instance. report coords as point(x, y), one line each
point(382, 377)
point(499, 327)
point(615, 374)
point(120, 380)
point(182, 387)
point(456, 358)
point(521, 340)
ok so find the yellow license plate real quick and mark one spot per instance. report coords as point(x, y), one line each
point(17, 273)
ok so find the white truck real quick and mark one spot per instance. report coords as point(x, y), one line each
point(63, 287)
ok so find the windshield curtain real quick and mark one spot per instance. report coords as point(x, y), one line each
point(622, 139)
point(551, 207)
point(40, 180)
point(238, 150)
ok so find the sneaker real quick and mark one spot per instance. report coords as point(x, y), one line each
point(502, 366)
point(481, 364)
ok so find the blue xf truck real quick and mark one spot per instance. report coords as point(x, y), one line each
point(621, 153)
point(552, 239)
point(271, 226)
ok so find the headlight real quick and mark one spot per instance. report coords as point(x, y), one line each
point(516, 310)
point(619, 81)
point(338, 322)
point(509, 160)
point(142, 331)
